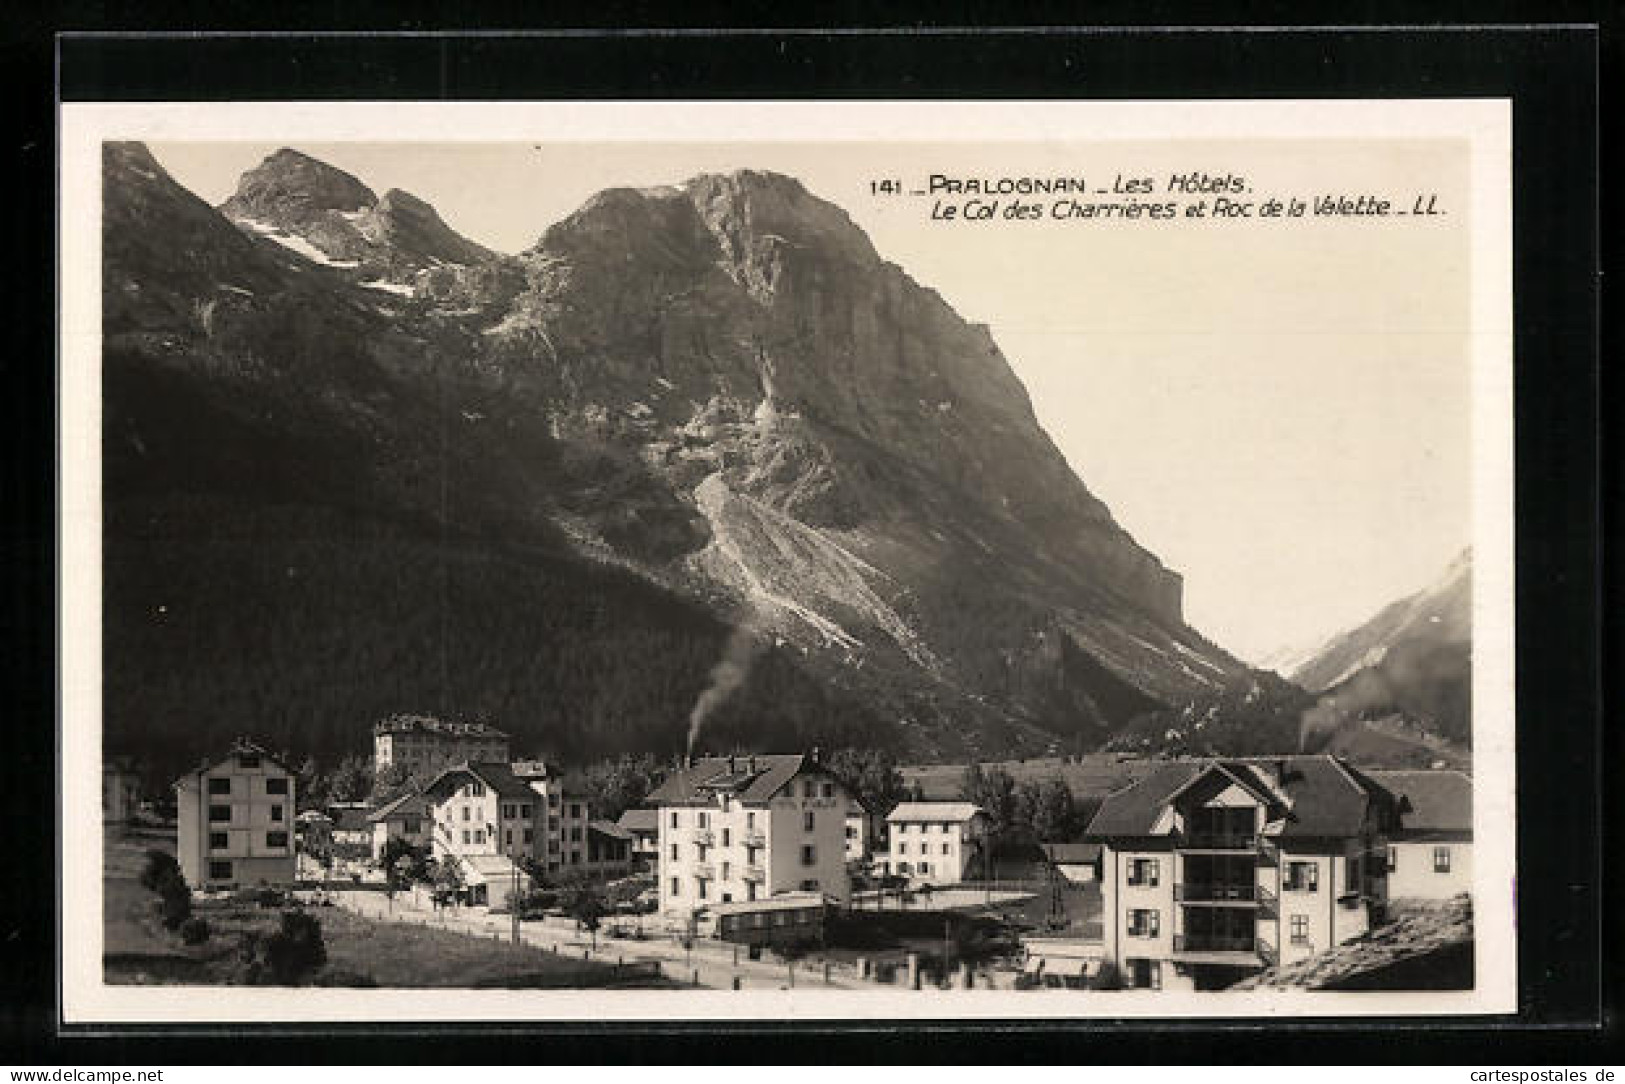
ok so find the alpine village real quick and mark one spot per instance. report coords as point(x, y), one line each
point(691, 600)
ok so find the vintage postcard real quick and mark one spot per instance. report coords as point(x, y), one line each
point(691, 561)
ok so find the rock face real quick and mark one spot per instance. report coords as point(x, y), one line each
point(299, 201)
point(718, 396)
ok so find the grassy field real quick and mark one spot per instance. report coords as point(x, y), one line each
point(360, 951)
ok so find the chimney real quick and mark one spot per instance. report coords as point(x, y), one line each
point(752, 764)
point(730, 764)
point(815, 752)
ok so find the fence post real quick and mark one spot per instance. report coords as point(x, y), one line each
point(913, 971)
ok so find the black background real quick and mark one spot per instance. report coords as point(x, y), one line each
point(1565, 754)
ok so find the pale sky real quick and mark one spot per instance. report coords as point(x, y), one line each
point(1278, 409)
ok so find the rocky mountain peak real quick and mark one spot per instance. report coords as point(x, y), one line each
point(291, 184)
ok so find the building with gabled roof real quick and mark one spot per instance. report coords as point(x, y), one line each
point(1430, 853)
point(408, 815)
point(742, 828)
point(935, 842)
point(1215, 868)
point(234, 820)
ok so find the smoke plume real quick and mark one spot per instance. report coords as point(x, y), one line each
point(1369, 690)
point(726, 677)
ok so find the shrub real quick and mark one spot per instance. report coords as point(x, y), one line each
point(1109, 978)
point(175, 905)
point(161, 871)
point(194, 931)
point(286, 957)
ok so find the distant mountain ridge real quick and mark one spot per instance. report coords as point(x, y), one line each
point(1413, 658)
point(542, 489)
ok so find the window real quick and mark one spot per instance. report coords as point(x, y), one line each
point(465, 813)
point(530, 836)
point(575, 833)
point(750, 821)
point(945, 848)
point(276, 812)
point(411, 825)
point(219, 786)
point(808, 821)
point(507, 810)
point(674, 852)
point(220, 871)
point(1300, 929)
point(219, 813)
point(524, 811)
point(1144, 872)
point(1144, 974)
point(809, 886)
point(507, 836)
point(676, 887)
point(479, 836)
point(902, 867)
point(553, 823)
point(727, 837)
point(575, 810)
point(827, 790)
point(1144, 923)
point(276, 784)
point(851, 832)
point(902, 848)
point(1393, 859)
point(699, 888)
point(725, 871)
point(1302, 876)
point(466, 839)
point(552, 846)
point(925, 867)
point(276, 839)
point(476, 789)
point(809, 855)
point(248, 760)
point(218, 840)
point(1441, 860)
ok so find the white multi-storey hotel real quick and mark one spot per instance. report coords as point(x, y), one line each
point(750, 827)
point(234, 821)
point(1211, 869)
point(935, 842)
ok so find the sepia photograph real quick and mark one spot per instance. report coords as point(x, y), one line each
point(766, 560)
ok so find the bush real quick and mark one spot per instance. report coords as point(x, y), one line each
point(161, 871)
point(194, 931)
point(287, 956)
point(175, 905)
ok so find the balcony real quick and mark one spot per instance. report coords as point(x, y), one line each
point(754, 838)
point(704, 837)
point(1269, 854)
point(755, 874)
point(1231, 951)
point(1218, 893)
point(705, 871)
point(1218, 841)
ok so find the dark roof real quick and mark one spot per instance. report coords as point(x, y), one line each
point(1432, 803)
point(494, 774)
point(1072, 853)
point(408, 803)
point(352, 819)
point(1324, 798)
point(610, 829)
point(749, 777)
point(239, 747)
point(640, 820)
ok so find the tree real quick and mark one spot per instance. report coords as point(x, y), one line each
point(404, 861)
point(350, 780)
point(871, 775)
point(1024, 808)
point(391, 779)
point(1055, 817)
point(447, 879)
point(161, 869)
point(995, 792)
point(584, 902)
point(615, 785)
